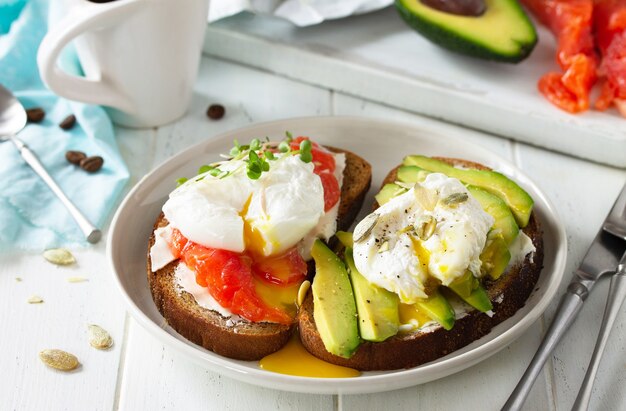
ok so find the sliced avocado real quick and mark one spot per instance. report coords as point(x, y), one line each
point(334, 309)
point(377, 308)
point(469, 289)
point(412, 174)
point(502, 32)
point(479, 299)
point(464, 285)
point(345, 238)
point(437, 307)
point(493, 205)
point(518, 200)
point(388, 192)
point(495, 256)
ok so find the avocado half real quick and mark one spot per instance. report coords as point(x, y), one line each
point(502, 33)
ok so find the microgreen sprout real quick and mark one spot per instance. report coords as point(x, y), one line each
point(283, 147)
point(181, 181)
point(256, 157)
point(305, 151)
point(269, 155)
point(255, 144)
point(203, 169)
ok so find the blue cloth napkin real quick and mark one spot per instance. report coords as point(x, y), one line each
point(31, 217)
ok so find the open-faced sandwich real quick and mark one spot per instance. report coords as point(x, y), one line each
point(229, 251)
point(451, 249)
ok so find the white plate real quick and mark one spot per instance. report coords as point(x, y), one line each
point(383, 144)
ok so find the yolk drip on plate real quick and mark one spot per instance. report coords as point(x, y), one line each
point(294, 359)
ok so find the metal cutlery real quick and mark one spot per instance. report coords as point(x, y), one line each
point(601, 258)
point(12, 121)
point(617, 292)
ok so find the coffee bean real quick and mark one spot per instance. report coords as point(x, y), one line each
point(75, 157)
point(215, 111)
point(35, 114)
point(68, 122)
point(91, 164)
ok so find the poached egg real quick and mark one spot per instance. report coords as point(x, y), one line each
point(431, 234)
point(281, 209)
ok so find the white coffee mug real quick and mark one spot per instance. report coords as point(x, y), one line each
point(140, 57)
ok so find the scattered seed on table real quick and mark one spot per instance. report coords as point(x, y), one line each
point(75, 157)
point(99, 337)
point(77, 279)
point(91, 164)
point(68, 122)
point(35, 114)
point(59, 359)
point(59, 256)
point(35, 299)
point(215, 111)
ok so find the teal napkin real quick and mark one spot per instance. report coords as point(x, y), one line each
point(31, 217)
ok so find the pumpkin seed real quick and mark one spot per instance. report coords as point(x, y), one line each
point(59, 359)
point(304, 288)
point(98, 337)
point(455, 199)
point(365, 227)
point(425, 227)
point(408, 229)
point(425, 197)
point(77, 279)
point(18, 279)
point(59, 256)
point(383, 247)
point(35, 299)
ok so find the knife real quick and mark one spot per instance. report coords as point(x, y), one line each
point(601, 258)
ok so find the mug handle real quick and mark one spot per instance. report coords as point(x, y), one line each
point(84, 17)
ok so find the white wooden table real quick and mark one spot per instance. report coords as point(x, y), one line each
point(140, 373)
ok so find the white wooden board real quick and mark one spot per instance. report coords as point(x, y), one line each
point(377, 57)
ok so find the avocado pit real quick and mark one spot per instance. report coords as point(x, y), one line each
point(468, 8)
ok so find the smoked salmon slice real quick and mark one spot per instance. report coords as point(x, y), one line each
point(609, 19)
point(571, 21)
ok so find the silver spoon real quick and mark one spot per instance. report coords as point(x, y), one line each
point(12, 121)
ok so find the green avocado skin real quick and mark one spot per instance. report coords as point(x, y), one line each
point(451, 39)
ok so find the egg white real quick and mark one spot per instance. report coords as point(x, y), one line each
point(280, 208)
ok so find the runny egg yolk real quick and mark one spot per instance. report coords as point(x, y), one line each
point(253, 239)
point(282, 298)
point(422, 254)
point(409, 313)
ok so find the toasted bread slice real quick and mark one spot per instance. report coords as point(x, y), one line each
point(244, 340)
point(507, 294)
